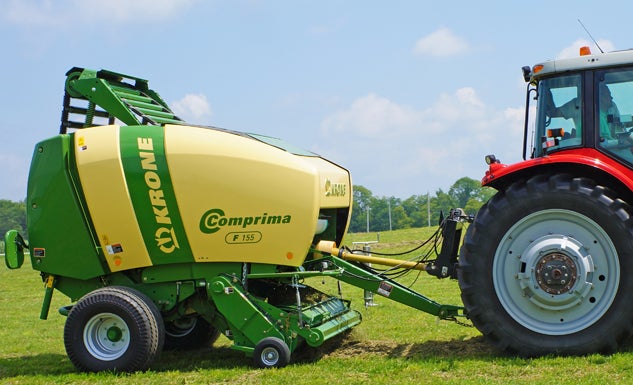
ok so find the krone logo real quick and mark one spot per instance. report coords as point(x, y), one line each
point(166, 240)
point(165, 235)
point(335, 189)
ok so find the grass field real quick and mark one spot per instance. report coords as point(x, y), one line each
point(393, 345)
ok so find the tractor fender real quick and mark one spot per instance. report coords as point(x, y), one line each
point(588, 163)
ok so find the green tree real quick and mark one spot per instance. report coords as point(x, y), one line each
point(12, 217)
point(362, 202)
point(474, 204)
point(463, 190)
point(416, 208)
point(441, 203)
point(400, 219)
point(373, 212)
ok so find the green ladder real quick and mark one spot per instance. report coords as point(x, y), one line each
point(102, 97)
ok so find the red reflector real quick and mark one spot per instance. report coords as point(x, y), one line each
point(549, 143)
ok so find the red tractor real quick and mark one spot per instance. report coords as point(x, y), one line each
point(543, 268)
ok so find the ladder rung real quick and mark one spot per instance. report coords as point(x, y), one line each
point(84, 111)
point(165, 121)
point(137, 97)
point(149, 106)
point(154, 113)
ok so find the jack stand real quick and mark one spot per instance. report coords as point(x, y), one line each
point(368, 296)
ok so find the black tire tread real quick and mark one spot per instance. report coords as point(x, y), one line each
point(484, 309)
point(144, 315)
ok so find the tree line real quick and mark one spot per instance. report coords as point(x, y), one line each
point(369, 213)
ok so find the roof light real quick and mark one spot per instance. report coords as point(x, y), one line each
point(537, 68)
point(585, 50)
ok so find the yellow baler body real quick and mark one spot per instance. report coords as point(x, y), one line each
point(176, 193)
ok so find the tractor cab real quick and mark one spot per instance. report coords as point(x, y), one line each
point(582, 102)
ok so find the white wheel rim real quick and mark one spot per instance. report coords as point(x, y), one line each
point(106, 336)
point(270, 356)
point(556, 272)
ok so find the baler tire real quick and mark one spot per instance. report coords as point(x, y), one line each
point(199, 335)
point(540, 226)
point(271, 352)
point(114, 329)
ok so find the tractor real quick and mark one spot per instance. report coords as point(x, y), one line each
point(543, 267)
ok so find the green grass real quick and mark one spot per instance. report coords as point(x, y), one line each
point(393, 345)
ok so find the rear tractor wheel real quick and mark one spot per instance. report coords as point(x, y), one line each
point(546, 266)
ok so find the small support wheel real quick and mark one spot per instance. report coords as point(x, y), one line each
point(271, 352)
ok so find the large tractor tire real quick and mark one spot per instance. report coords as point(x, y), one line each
point(114, 329)
point(546, 268)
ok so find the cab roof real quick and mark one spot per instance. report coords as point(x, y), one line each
point(581, 62)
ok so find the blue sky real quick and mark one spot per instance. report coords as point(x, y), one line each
point(408, 95)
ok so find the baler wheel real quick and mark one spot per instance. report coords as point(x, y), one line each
point(114, 328)
point(271, 352)
point(189, 333)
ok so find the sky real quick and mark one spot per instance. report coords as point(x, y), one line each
point(409, 96)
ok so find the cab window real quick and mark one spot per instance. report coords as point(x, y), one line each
point(614, 108)
point(559, 118)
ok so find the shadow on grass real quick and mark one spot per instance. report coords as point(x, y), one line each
point(37, 364)
point(471, 348)
point(225, 358)
point(59, 364)
point(474, 348)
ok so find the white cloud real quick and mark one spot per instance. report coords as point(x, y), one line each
point(442, 42)
point(48, 13)
point(192, 108)
point(407, 148)
point(371, 116)
point(573, 50)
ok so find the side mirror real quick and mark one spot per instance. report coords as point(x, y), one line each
point(14, 249)
point(527, 73)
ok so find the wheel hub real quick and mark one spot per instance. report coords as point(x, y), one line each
point(106, 336)
point(556, 273)
point(114, 334)
point(270, 356)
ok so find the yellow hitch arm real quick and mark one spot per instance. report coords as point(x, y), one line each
point(329, 247)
